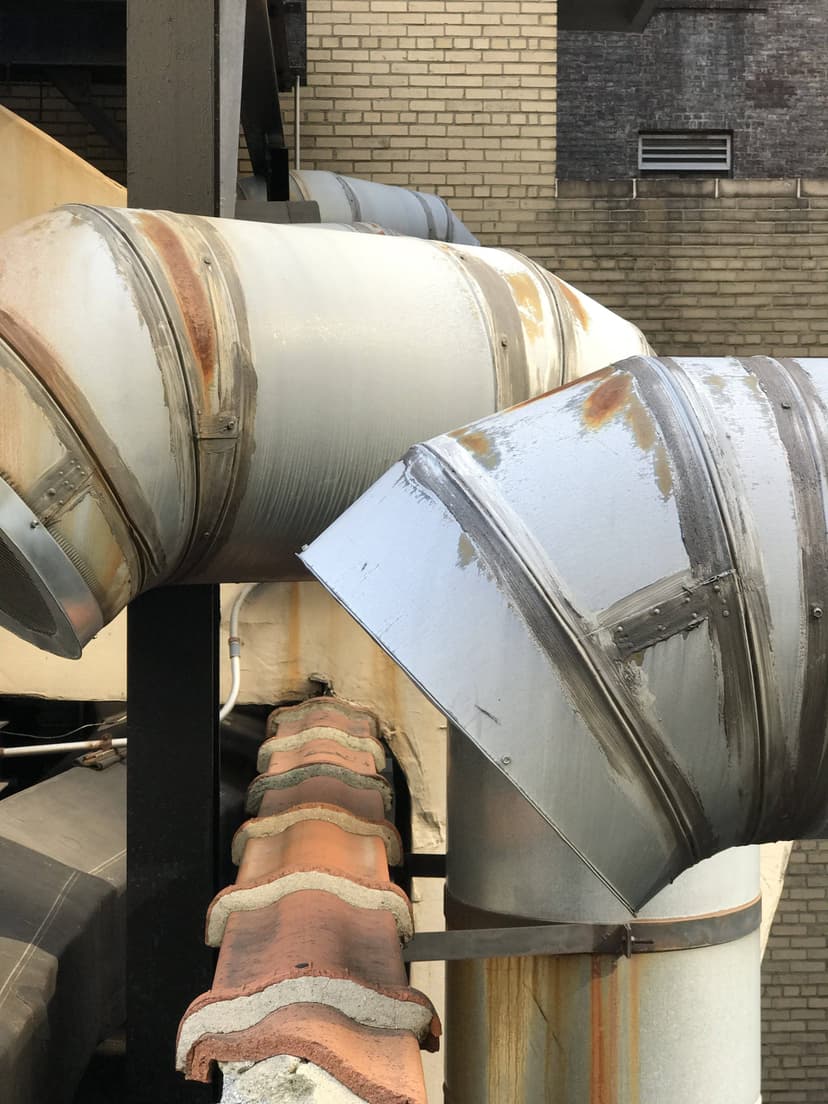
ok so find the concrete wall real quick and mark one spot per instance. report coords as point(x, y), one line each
point(756, 69)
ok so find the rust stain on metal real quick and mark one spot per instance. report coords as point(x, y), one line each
point(607, 400)
point(575, 302)
point(189, 290)
point(604, 1027)
point(640, 422)
point(716, 381)
point(663, 471)
point(527, 298)
point(480, 445)
point(634, 967)
point(466, 553)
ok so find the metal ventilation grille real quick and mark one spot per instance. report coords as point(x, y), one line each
point(19, 599)
point(692, 151)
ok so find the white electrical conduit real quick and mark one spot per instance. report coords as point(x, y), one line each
point(194, 399)
point(234, 645)
point(54, 749)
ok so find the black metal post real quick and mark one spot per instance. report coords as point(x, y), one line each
point(183, 65)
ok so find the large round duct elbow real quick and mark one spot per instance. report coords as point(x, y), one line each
point(618, 592)
point(191, 399)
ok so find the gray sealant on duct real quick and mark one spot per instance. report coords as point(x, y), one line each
point(191, 399)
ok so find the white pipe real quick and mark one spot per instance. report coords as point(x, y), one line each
point(234, 645)
point(297, 132)
point(52, 749)
point(233, 388)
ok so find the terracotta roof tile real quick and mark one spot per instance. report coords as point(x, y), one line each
point(381, 1066)
point(322, 711)
point(321, 751)
point(324, 790)
point(368, 744)
point(352, 778)
point(310, 968)
point(324, 812)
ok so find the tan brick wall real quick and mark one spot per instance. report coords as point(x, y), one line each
point(744, 272)
point(452, 96)
point(795, 985)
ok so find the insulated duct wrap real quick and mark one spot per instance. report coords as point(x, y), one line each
point(618, 593)
point(190, 399)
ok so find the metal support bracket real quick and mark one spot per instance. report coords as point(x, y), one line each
point(616, 940)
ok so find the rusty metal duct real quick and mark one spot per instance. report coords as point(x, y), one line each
point(191, 399)
point(617, 592)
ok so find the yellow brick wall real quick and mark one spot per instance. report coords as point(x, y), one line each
point(452, 96)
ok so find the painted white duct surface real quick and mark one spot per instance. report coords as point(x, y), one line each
point(192, 399)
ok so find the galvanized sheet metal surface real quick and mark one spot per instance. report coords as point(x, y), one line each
point(196, 399)
point(617, 593)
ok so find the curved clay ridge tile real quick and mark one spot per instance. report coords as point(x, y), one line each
point(383, 1067)
point(326, 711)
point(298, 775)
point(322, 790)
point(359, 893)
point(392, 1008)
point(321, 751)
point(266, 826)
point(367, 744)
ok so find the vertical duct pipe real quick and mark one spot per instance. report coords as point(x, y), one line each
point(681, 1025)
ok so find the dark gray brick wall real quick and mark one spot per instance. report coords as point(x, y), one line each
point(760, 71)
point(795, 985)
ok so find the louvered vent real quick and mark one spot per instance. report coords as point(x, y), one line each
point(692, 151)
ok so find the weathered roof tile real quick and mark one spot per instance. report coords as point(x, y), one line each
point(310, 985)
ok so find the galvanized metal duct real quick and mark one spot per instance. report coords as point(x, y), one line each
point(189, 399)
point(634, 571)
point(345, 199)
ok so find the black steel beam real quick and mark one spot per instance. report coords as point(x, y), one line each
point(641, 12)
point(75, 85)
point(260, 111)
point(175, 78)
point(172, 827)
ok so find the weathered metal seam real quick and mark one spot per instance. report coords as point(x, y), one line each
point(432, 228)
point(591, 677)
point(351, 196)
point(76, 413)
point(508, 337)
point(796, 406)
point(657, 612)
point(243, 389)
point(709, 537)
point(563, 338)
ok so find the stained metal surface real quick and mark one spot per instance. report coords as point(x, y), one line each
point(347, 199)
point(538, 545)
point(168, 383)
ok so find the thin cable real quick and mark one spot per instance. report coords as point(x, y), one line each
point(234, 645)
point(49, 739)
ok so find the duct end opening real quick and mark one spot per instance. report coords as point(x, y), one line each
point(43, 598)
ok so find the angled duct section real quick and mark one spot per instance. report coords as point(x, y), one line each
point(618, 593)
point(189, 399)
point(345, 199)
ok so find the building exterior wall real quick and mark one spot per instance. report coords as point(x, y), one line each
point(450, 96)
point(755, 69)
point(795, 984)
point(744, 272)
